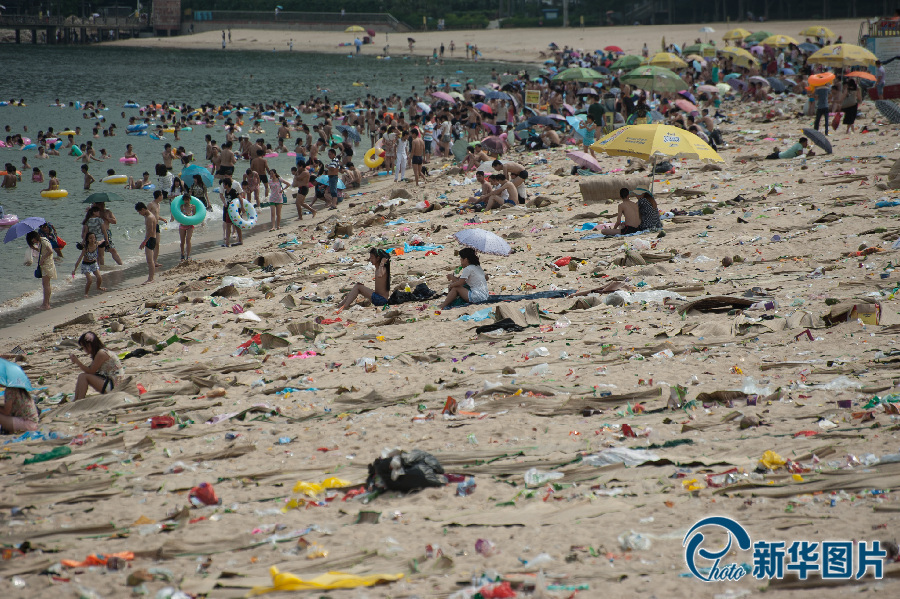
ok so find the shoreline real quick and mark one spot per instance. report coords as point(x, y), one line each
point(496, 45)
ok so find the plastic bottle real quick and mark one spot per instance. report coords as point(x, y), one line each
point(539, 352)
point(536, 478)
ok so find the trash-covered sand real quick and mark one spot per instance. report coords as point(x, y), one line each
point(584, 446)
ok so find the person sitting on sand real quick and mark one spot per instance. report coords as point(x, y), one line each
point(503, 193)
point(471, 284)
point(381, 260)
point(793, 151)
point(628, 219)
point(138, 183)
point(18, 413)
point(480, 195)
point(105, 372)
point(649, 212)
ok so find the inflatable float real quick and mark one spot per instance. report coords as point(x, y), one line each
point(237, 219)
point(9, 220)
point(54, 194)
point(115, 179)
point(199, 211)
point(130, 160)
point(374, 158)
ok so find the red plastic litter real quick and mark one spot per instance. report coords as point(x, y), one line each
point(626, 430)
point(141, 389)
point(563, 261)
point(204, 493)
point(497, 591)
point(162, 422)
point(806, 434)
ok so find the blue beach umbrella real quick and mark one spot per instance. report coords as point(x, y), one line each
point(11, 375)
point(23, 228)
point(187, 175)
point(324, 181)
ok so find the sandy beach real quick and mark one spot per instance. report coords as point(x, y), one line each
point(506, 45)
point(749, 327)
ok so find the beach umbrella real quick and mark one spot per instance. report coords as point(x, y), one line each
point(490, 127)
point(101, 197)
point(476, 92)
point(587, 91)
point(443, 96)
point(629, 61)
point(423, 107)
point(708, 89)
point(577, 123)
point(585, 160)
point(696, 58)
point(350, 132)
point(737, 84)
point(371, 32)
point(818, 138)
point(657, 79)
point(706, 50)
point(541, 120)
point(12, 375)
point(492, 144)
point(688, 96)
point(648, 142)
point(776, 84)
point(779, 41)
point(615, 49)
point(483, 241)
point(736, 34)
point(818, 31)
point(723, 88)
point(484, 108)
point(569, 108)
point(757, 36)
point(677, 48)
point(496, 95)
point(741, 57)
point(807, 47)
point(686, 106)
point(23, 228)
point(888, 110)
point(760, 50)
point(667, 60)
point(409, 39)
point(578, 74)
point(758, 79)
point(861, 75)
point(354, 29)
point(707, 30)
point(456, 95)
point(842, 55)
point(788, 72)
point(187, 175)
point(324, 181)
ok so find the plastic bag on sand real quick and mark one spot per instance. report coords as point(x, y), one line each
point(238, 282)
point(751, 387)
point(620, 455)
point(648, 296)
point(840, 383)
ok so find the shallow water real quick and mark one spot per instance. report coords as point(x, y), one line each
point(115, 75)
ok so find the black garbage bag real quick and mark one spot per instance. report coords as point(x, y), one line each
point(406, 471)
point(419, 294)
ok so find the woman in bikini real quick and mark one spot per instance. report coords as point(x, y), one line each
point(105, 373)
point(381, 260)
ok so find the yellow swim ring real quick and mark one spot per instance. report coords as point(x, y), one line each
point(115, 179)
point(54, 193)
point(68, 132)
point(374, 158)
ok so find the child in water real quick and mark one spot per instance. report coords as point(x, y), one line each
point(36, 175)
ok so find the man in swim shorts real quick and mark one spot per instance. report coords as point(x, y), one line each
point(417, 150)
point(150, 239)
point(153, 207)
point(226, 162)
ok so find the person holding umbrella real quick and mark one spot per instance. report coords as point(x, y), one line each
point(18, 413)
point(46, 269)
point(471, 284)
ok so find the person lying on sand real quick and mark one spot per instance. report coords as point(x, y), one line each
point(792, 152)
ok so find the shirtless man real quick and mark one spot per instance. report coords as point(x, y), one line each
point(504, 193)
point(301, 183)
point(227, 161)
point(138, 183)
point(167, 156)
point(628, 219)
point(153, 207)
point(482, 194)
point(260, 166)
point(516, 174)
point(417, 151)
point(150, 241)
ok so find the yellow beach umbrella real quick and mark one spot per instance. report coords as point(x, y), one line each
point(818, 31)
point(779, 41)
point(667, 60)
point(842, 55)
point(354, 29)
point(648, 142)
point(741, 57)
point(736, 34)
